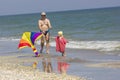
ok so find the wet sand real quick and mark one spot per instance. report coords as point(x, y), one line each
point(83, 64)
point(12, 68)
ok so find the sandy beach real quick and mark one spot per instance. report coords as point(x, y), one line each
point(14, 65)
point(11, 68)
point(19, 65)
point(81, 64)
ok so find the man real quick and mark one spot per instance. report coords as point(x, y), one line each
point(44, 26)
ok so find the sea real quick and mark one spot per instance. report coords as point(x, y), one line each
point(94, 29)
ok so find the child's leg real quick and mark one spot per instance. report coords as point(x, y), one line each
point(63, 54)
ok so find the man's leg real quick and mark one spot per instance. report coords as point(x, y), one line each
point(47, 43)
point(42, 44)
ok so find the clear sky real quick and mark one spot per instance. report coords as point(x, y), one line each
point(10, 7)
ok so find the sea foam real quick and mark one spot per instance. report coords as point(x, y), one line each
point(95, 45)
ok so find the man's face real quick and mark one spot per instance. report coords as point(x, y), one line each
point(43, 16)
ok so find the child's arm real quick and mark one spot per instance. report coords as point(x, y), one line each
point(65, 40)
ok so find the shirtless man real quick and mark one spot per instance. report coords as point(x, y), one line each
point(44, 26)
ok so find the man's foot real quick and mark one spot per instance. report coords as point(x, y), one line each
point(47, 52)
point(41, 50)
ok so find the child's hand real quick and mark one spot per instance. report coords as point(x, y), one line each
point(67, 41)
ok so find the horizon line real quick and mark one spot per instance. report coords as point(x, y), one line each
point(59, 11)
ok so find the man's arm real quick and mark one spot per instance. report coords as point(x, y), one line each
point(39, 25)
point(49, 24)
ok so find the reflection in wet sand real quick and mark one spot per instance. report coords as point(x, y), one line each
point(47, 65)
point(62, 66)
point(34, 65)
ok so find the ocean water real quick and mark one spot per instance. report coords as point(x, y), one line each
point(97, 29)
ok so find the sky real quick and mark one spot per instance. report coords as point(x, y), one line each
point(11, 7)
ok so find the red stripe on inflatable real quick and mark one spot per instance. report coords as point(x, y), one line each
point(24, 44)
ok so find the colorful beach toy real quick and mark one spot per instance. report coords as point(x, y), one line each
point(28, 40)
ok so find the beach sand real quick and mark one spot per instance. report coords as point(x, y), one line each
point(11, 68)
point(83, 64)
point(13, 65)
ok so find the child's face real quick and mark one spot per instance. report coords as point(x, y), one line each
point(60, 35)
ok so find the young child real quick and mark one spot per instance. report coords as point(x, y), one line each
point(61, 43)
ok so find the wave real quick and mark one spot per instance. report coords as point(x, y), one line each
point(9, 39)
point(93, 45)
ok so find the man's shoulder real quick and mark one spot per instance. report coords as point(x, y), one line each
point(47, 19)
point(39, 20)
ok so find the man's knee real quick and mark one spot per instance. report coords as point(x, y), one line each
point(47, 41)
point(42, 41)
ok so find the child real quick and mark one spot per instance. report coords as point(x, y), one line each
point(61, 43)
